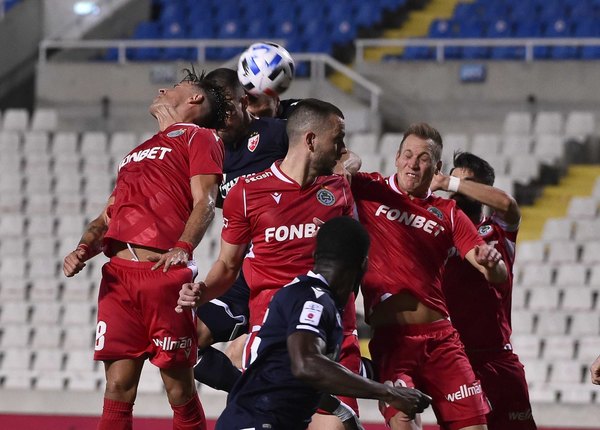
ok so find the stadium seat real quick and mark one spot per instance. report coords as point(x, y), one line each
point(566, 371)
point(536, 371)
point(44, 119)
point(49, 382)
point(372, 162)
point(47, 336)
point(575, 394)
point(71, 225)
point(41, 226)
point(591, 255)
point(80, 361)
point(536, 275)
point(484, 144)
point(582, 207)
point(150, 381)
point(46, 312)
point(562, 252)
point(13, 268)
point(15, 120)
point(579, 124)
point(558, 229)
point(41, 247)
point(548, 123)
point(121, 143)
point(544, 298)
point(522, 322)
point(44, 289)
point(523, 169)
point(16, 359)
point(558, 348)
point(578, 298)
point(174, 29)
point(519, 298)
point(571, 274)
point(78, 313)
point(145, 30)
point(531, 252)
point(65, 143)
point(79, 337)
point(549, 148)
point(389, 144)
point(15, 336)
point(587, 230)
point(585, 322)
point(14, 290)
point(515, 145)
point(588, 348)
point(551, 323)
point(363, 143)
point(526, 345)
point(517, 123)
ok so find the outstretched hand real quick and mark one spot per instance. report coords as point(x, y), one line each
point(189, 296)
point(174, 256)
point(439, 182)
point(409, 401)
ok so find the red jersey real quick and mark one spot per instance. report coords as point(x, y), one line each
point(153, 196)
point(274, 214)
point(470, 297)
point(411, 239)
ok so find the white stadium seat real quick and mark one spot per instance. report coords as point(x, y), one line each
point(579, 124)
point(558, 348)
point(93, 143)
point(522, 322)
point(389, 144)
point(577, 298)
point(44, 119)
point(566, 372)
point(79, 337)
point(121, 143)
point(44, 290)
point(15, 336)
point(485, 144)
point(46, 312)
point(362, 143)
point(49, 382)
point(530, 252)
point(536, 275)
point(558, 229)
point(47, 336)
point(588, 348)
point(571, 274)
point(78, 313)
point(587, 230)
point(590, 253)
point(15, 120)
point(549, 148)
point(13, 268)
point(81, 361)
point(544, 298)
point(562, 252)
point(526, 345)
point(585, 323)
point(582, 207)
point(49, 360)
point(548, 123)
point(16, 359)
point(517, 123)
point(536, 371)
point(65, 143)
point(371, 163)
point(516, 145)
point(552, 323)
point(524, 168)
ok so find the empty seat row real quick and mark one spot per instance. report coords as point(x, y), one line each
point(567, 275)
point(556, 322)
point(543, 297)
point(19, 120)
point(557, 251)
point(19, 312)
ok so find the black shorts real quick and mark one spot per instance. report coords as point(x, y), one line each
point(227, 316)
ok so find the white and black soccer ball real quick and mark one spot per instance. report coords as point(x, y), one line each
point(265, 68)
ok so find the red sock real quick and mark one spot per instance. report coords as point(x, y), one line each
point(116, 415)
point(189, 416)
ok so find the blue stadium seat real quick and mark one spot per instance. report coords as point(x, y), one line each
point(257, 29)
point(500, 29)
point(230, 29)
point(441, 29)
point(173, 12)
point(588, 28)
point(343, 31)
point(553, 10)
point(524, 29)
point(523, 11)
point(145, 30)
point(473, 30)
point(493, 11)
point(580, 9)
point(418, 53)
point(174, 30)
point(367, 14)
point(560, 28)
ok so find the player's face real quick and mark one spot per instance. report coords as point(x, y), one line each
point(329, 145)
point(263, 106)
point(416, 165)
point(173, 97)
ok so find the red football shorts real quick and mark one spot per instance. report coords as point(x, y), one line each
point(431, 358)
point(137, 318)
point(503, 380)
point(349, 351)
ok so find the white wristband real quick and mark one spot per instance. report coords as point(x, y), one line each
point(453, 183)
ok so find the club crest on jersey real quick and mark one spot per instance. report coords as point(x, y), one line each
point(484, 230)
point(176, 133)
point(325, 197)
point(253, 142)
point(438, 213)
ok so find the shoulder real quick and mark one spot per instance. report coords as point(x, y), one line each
point(276, 123)
point(306, 290)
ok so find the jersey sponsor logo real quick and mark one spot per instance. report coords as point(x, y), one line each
point(412, 220)
point(484, 230)
point(253, 141)
point(318, 292)
point(276, 197)
point(438, 213)
point(176, 133)
point(167, 343)
point(258, 177)
point(520, 415)
point(325, 197)
point(225, 187)
point(284, 232)
point(311, 313)
point(156, 153)
point(464, 391)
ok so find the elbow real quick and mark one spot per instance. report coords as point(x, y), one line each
point(498, 275)
point(305, 370)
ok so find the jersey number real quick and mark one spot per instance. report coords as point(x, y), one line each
point(100, 332)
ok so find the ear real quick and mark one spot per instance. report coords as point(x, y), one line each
point(196, 99)
point(438, 167)
point(310, 140)
point(245, 101)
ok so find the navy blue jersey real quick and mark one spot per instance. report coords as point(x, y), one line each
point(265, 142)
point(268, 391)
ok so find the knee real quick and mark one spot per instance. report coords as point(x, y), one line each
point(179, 394)
point(121, 390)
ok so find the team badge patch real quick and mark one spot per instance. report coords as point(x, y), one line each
point(438, 213)
point(311, 313)
point(484, 230)
point(176, 133)
point(325, 197)
point(253, 142)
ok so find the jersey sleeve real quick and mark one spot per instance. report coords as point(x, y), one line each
point(359, 182)
point(206, 153)
point(307, 313)
point(464, 233)
point(236, 224)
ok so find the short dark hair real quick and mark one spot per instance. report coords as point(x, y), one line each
point(226, 78)
point(342, 239)
point(482, 170)
point(220, 103)
point(310, 113)
point(427, 132)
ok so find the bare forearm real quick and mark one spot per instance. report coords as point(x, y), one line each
point(497, 274)
point(218, 280)
point(198, 222)
point(331, 377)
point(93, 236)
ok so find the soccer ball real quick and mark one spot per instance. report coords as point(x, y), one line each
point(265, 68)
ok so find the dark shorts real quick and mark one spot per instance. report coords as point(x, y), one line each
point(227, 316)
point(237, 418)
point(503, 380)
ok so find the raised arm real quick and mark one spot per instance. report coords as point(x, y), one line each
point(312, 367)
point(89, 245)
point(503, 204)
point(204, 192)
point(488, 261)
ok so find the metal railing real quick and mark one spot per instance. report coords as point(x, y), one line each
point(318, 62)
point(440, 44)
